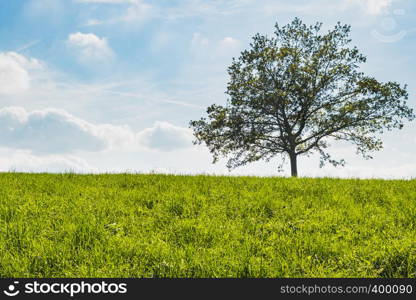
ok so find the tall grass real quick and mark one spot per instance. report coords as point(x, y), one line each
point(68, 225)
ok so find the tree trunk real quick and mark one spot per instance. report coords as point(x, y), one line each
point(293, 164)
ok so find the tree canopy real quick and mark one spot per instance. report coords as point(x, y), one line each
point(293, 93)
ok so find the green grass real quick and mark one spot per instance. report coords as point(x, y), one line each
point(125, 225)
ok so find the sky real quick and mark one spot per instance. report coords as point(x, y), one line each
point(110, 85)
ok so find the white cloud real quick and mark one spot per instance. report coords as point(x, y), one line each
point(203, 8)
point(229, 41)
point(54, 141)
point(52, 131)
point(24, 161)
point(164, 136)
point(90, 47)
point(140, 10)
point(202, 46)
point(137, 10)
point(372, 7)
point(15, 72)
point(376, 7)
point(228, 45)
point(402, 171)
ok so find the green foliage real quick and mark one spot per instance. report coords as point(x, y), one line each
point(125, 225)
point(293, 93)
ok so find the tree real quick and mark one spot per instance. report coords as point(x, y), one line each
point(293, 93)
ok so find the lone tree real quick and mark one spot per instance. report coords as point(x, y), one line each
point(291, 94)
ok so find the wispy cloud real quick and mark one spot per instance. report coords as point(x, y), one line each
point(27, 46)
point(372, 7)
point(136, 10)
point(166, 137)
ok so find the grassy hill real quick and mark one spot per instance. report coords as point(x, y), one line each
point(68, 225)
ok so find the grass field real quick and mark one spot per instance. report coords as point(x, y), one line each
point(68, 225)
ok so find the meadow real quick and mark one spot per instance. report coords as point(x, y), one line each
point(132, 225)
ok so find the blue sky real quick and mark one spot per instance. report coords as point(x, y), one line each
point(110, 85)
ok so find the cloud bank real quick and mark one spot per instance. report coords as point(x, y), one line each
point(53, 131)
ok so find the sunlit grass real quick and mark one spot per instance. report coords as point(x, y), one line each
point(68, 225)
